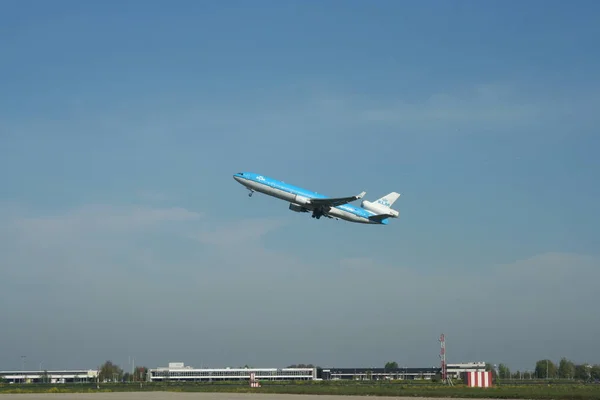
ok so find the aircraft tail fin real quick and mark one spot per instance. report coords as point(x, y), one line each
point(388, 199)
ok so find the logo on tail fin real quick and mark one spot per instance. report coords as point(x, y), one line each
point(384, 202)
point(388, 199)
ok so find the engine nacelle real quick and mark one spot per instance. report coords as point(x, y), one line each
point(297, 208)
point(303, 201)
point(379, 209)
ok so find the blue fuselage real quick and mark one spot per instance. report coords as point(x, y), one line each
point(292, 194)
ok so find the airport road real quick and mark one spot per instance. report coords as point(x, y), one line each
point(189, 396)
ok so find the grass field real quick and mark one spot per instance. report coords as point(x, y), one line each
point(503, 391)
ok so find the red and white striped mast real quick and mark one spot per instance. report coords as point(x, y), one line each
point(443, 358)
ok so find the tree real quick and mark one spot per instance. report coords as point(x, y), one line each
point(566, 369)
point(545, 369)
point(503, 371)
point(595, 372)
point(490, 367)
point(139, 375)
point(391, 365)
point(582, 372)
point(110, 372)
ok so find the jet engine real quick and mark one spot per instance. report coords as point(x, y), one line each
point(379, 209)
point(297, 208)
point(301, 200)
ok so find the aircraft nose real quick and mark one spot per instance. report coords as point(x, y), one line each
point(237, 177)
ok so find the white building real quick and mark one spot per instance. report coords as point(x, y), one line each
point(455, 370)
point(182, 373)
point(58, 376)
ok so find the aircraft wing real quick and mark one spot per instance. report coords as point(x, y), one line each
point(336, 201)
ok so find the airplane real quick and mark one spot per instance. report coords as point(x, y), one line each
point(302, 200)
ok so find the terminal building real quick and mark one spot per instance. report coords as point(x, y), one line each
point(177, 371)
point(360, 374)
point(454, 371)
point(58, 376)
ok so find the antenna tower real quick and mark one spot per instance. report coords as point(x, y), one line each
point(445, 379)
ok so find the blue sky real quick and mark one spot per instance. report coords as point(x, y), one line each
point(122, 123)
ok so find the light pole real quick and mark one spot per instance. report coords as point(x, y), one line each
point(23, 367)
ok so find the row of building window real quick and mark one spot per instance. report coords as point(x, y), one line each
point(230, 373)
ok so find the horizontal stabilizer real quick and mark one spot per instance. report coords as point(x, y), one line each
point(379, 217)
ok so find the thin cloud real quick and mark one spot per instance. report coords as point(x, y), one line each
point(471, 306)
point(154, 196)
point(104, 218)
point(70, 243)
point(488, 103)
point(357, 262)
point(243, 232)
point(300, 294)
point(331, 113)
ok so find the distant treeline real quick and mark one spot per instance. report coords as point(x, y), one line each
point(547, 369)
